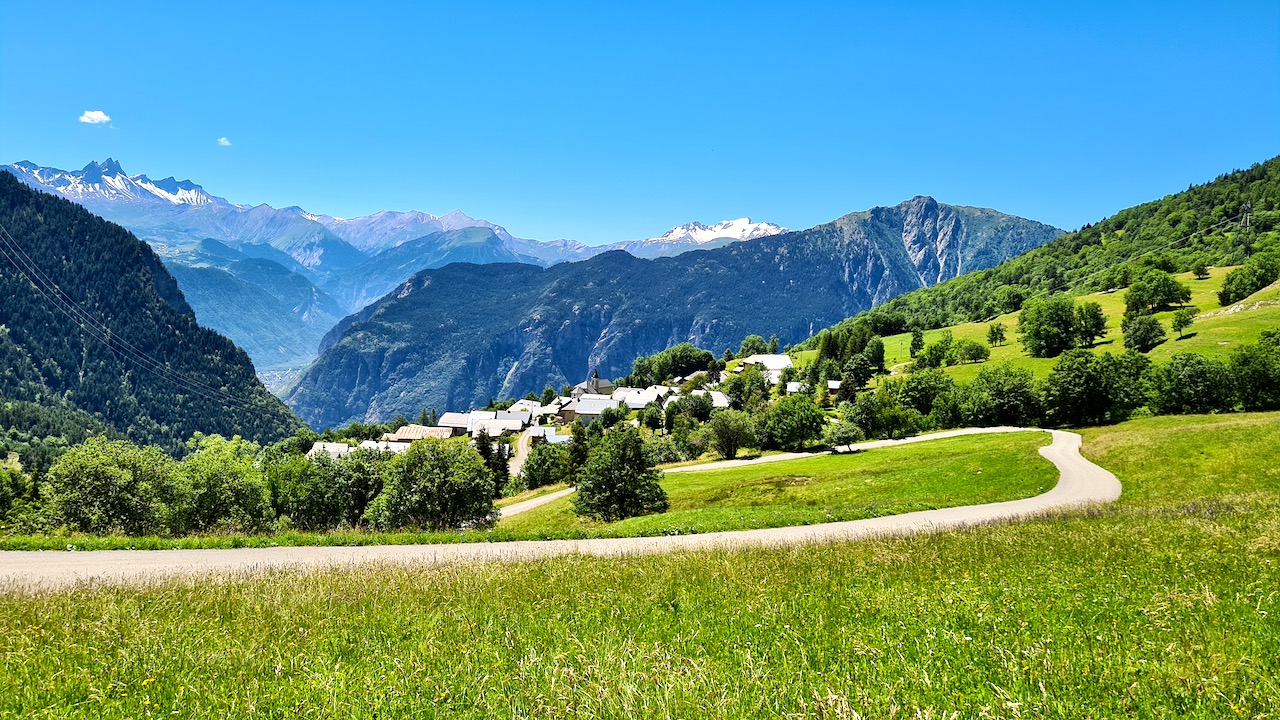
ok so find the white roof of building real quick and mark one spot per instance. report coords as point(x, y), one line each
point(417, 432)
point(395, 447)
point(833, 384)
point(333, 450)
point(494, 427)
point(455, 420)
point(521, 417)
point(621, 392)
point(595, 406)
point(719, 400)
point(526, 405)
point(637, 399)
point(594, 396)
point(770, 362)
point(794, 387)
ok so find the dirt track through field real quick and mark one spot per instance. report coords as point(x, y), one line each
point(1081, 483)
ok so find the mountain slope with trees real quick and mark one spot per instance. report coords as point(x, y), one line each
point(62, 376)
point(1202, 226)
point(453, 337)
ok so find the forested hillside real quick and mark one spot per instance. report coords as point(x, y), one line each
point(108, 343)
point(1201, 226)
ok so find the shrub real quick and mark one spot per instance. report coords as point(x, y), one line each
point(936, 353)
point(1154, 290)
point(1085, 388)
point(841, 434)
point(619, 481)
point(663, 450)
point(879, 414)
point(1257, 272)
point(792, 422)
point(995, 333)
point(729, 431)
point(1141, 332)
point(14, 487)
point(1048, 327)
point(436, 484)
point(307, 492)
point(544, 466)
point(113, 486)
point(1191, 383)
point(1090, 323)
point(1183, 319)
point(225, 480)
point(322, 493)
point(919, 390)
point(971, 351)
point(1002, 395)
point(1255, 373)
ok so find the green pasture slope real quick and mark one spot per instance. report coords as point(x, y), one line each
point(1165, 604)
point(1216, 332)
point(826, 488)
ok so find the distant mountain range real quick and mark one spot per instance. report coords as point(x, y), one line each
point(452, 337)
point(325, 266)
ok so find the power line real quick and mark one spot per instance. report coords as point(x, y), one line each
point(49, 290)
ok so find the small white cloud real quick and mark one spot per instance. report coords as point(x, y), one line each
point(95, 117)
point(223, 142)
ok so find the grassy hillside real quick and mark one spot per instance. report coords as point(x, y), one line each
point(1163, 605)
point(829, 488)
point(1203, 224)
point(1216, 332)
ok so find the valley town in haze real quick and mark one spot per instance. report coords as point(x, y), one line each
point(714, 361)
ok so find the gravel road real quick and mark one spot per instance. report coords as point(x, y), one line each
point(1080, 483)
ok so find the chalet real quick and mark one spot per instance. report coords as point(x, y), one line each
point(533, 407)
point(523, 417)
point(568, 411)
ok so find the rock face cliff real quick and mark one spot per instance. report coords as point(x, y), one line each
point(453, 337)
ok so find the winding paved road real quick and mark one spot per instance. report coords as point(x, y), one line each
point(1080, 483)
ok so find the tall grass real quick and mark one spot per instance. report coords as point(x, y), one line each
point(1164, 605)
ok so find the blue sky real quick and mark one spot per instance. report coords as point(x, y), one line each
point(604, 121)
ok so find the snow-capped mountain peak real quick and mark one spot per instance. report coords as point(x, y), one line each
point(106, 181)
point(695, 233)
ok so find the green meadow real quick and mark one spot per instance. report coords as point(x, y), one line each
point(825, 488)
point(1164, 604)
point(1215, 333)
